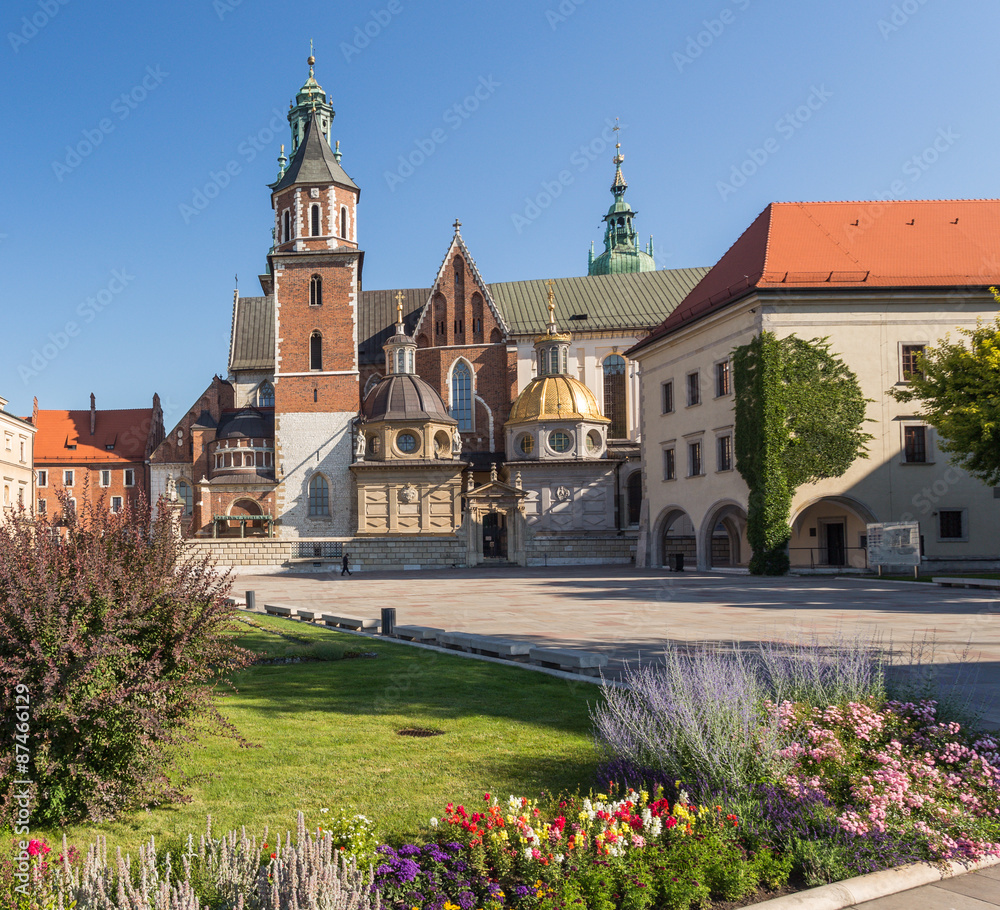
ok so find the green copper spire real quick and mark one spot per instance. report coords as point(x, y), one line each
point(309, 98)
point(621, 241)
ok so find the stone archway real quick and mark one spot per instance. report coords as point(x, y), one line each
point(674, 534)
point(829, 533)
point(723, 536)
point(241, 511)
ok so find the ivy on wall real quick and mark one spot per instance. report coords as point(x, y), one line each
point(799, 419)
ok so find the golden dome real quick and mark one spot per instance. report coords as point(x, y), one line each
point(558, 397)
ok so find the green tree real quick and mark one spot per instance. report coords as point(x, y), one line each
point(958, 385)
point(799, 418)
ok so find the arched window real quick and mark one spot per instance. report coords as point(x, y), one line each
point(315, 291)
point(343, 221)
point(288, 227)
point(319, 496)
point(461, 397)
point(265, 395)
point(614, 396)
point(315, 221)
point(315, 351)
point(370, 384)
point(633, 490)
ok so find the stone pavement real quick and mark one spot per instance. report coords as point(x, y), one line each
point(628, 613)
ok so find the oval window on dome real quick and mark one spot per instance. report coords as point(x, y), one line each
point(406, 442)
point(526, 444)
point(559, 441)
point(593, 442)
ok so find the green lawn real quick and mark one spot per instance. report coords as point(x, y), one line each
point(325, 734)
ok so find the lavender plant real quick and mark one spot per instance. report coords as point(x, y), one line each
point(698, 717)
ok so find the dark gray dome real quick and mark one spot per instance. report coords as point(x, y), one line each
point(404, 396)
point(249, 423)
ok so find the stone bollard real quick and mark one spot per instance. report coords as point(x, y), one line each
point(251, 600)
point(388, 621)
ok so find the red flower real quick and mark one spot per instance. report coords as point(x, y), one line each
point(487, 797)
point(670, 822)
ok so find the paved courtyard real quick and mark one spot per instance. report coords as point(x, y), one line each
point(628, 613)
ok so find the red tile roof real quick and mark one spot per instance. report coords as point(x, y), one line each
point(819, 245)
point(126, 430)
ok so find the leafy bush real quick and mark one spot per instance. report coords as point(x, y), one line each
point(113, 643)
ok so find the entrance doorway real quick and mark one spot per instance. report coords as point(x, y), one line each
point(836, 543)
point(494, 535)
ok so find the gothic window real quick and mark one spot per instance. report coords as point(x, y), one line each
point(319, 496)
point(315, 221)
point(316, 351)
point(461, 397)
point(184, 495)
point(343, 221)
point(614, 396)
point(288, 227)
point(265, 395)
point(315, 291)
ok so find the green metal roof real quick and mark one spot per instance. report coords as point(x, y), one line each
point(314, 162)
point(252, 341)
point(640, 300)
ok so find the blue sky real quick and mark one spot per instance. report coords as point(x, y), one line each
point(138, 139)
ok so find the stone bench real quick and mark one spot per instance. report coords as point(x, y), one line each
point(587, 662)
point(307, 615)
point(355, 625)
point(424, 634)
point(968, 582)
point(484, 644)
point(279, 610)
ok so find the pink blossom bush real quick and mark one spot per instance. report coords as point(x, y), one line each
point(897, 769)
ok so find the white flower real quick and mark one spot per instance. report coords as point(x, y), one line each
point(559, 857)
point(434, 822)
point(324, 810)
point(527, 852)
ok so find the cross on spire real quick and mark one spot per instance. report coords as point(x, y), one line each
point(457, 225)
point(399, 308)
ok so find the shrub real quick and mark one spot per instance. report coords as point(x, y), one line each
point(111, 645)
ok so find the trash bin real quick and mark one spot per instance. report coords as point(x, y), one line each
point(678, 562)
point(388, 621)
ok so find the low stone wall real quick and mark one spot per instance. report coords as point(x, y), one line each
point(366, 553)
point(584, 550)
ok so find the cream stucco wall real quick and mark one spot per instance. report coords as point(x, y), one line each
point(17, 479)
point(867, 330)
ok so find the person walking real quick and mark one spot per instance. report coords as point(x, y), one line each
point(345, 564)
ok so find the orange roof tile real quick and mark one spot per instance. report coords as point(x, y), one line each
point(818, 245)
point(125, 430)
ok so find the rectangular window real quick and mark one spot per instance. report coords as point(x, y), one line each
point(693, 388)
point(725, 453)
point(67, 478)
point(669, 468)
point(723, 384)
point(694, 459)
point(909, 355)
point(129, 477)
point(951, 524)
point(915, 445)
point(22, 453)
point(105, 478)
point(10, 442)
point(43, 478)
point(41, 506)
point(116, 504)
point(667, 397)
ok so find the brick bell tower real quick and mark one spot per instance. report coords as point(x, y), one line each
point(315, 277)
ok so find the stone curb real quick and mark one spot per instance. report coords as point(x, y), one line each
point(840, 895)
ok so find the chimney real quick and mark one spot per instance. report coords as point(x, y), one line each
point(93, 413)
point(34, 411)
